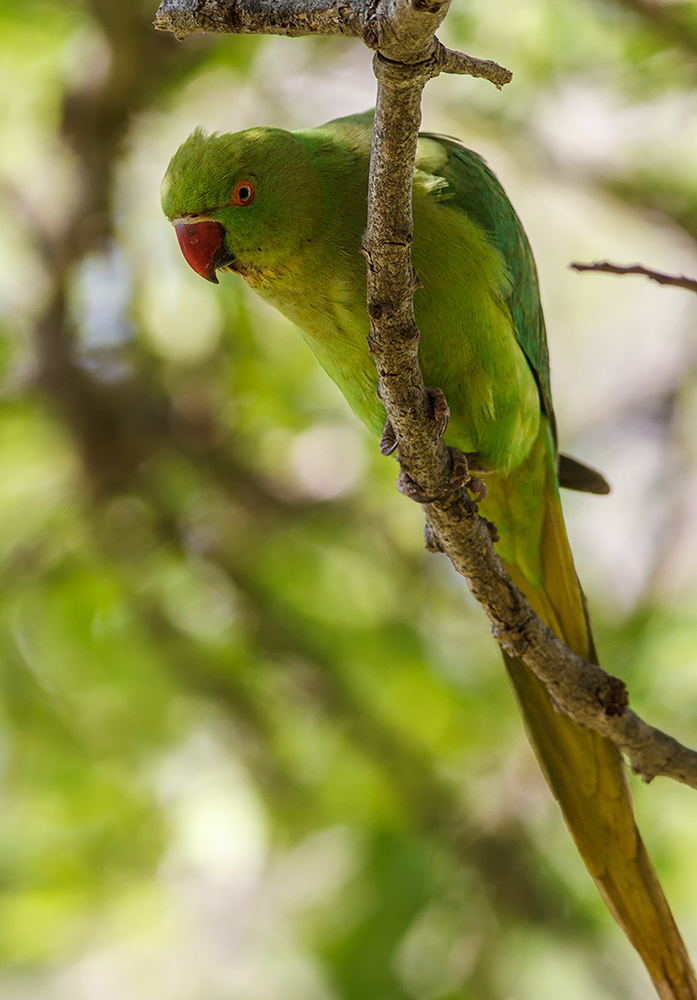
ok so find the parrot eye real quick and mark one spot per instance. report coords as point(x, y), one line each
point(243, 193)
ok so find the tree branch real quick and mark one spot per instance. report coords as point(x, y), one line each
point(582, 689)
point(677, 280)
point(263, 17)
point(408, 56)
point(401, 31)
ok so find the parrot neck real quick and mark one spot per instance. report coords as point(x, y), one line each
point(327, 303)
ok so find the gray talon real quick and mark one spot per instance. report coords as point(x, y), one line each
point(388, 441)
point(441, 411)
point(407, 486)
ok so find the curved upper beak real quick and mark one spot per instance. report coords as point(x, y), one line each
point(202, 242)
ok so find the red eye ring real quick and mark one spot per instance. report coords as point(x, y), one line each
point(243, 193)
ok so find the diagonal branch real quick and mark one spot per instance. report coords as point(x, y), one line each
point(263, 17)
point(408, 55)
point(588, 694)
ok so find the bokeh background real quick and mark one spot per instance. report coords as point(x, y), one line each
point(255, 742)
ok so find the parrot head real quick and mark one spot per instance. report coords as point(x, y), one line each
point(242, 201)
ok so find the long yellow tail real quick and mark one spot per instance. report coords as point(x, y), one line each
point(587, 776)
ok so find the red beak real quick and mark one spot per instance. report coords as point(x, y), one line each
point(203, 246)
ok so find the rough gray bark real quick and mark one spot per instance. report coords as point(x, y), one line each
point(407, 55)
point(395, 28)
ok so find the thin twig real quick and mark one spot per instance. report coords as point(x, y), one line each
point(451, 61)
point(677, 280)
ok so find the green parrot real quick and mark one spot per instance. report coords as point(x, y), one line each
point(287, 211)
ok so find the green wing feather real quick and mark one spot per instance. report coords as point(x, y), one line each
point(476, 192)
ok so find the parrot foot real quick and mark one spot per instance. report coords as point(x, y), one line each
point(431, 540)
point(407, 486)
point(477, 487)
point(388, 441)
point(439, 411)
point(492, 529)
point(459, 477)
point(440, 408)
point(461, 464)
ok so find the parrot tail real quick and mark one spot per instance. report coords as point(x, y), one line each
point(588, 778)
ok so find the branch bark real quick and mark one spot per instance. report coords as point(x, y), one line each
point(402, 31)
point(408, 55)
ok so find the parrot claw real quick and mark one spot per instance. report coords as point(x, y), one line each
point(460, 476)
point(460, 473)
point(461, 463)
point(493, 530)
point(477, 487)
point(441, 411)
point(431, 540)
point(388, 441)
point(407, 486)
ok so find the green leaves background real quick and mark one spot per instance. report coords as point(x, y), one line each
point(255, 742)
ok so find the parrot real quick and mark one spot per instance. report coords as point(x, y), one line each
point(286, 211)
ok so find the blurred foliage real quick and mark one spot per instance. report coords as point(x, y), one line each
point(255, 742)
